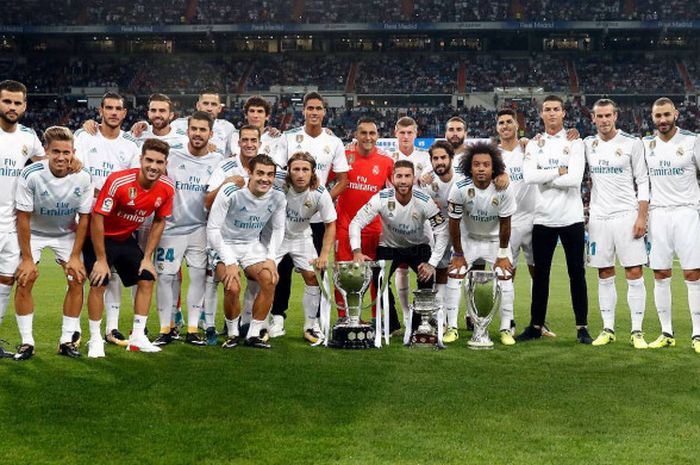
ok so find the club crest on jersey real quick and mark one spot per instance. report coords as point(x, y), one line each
point(25, 150)
point(414, 215)
point(375, 170)
point(391, 205)
point(267, 150)
point(300, 138)
point(158, 202)
point(327, 149)
point(495, 201)
point(107, 204)
point(540, 143)
point(680, 151)
point(308, 204)
point(595, 144)
point(618, 152)
point(471, 192)
point(436, 188)
point(395, 156)
point(161, 266)
point(566, 150)
point(652, 144)
point(351, 158)
point(132, 193)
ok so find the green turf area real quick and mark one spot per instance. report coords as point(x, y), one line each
point(543, 402)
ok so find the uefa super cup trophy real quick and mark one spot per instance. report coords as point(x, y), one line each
point(424, 305)
point(352, 279)
point(483, 296)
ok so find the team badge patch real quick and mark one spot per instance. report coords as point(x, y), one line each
point(375, 170)
point(161, 266)
point(471, 192)
point(540, 143)
point(25, 150)
point(158, 202)
point(391, 205)
point(528, 156)
point(395, 156)
point(300, 138)
point(680, 151)
point(327, 149)
point(267, 150)
point(351, 158)
point(414, 215)
point(132, 193)
point(495, 201)
point(566, 150)
point(308, 203)
point(595, 143)
point(618, 152)
point(652, 144)
point(107, 204)
point(419, 167)
point(436, 188)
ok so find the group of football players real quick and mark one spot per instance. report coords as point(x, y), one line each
point(126, 208)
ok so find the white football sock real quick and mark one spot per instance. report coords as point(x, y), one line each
point(440, 296)
point(94, 328)
point(607, 300)
point(636, 299)
point(113, 301)
point(211, 301)
point(164, 295)
point(67, 328)
point(251, 292)
point(310, 302)
point(195, 296)
point(694, 305)
point(452, 295)
point(507, 299)
point(176, 283)
point(232, 326)
point(139, 325)
point(662, 299)
point(254, 328)
point(402, 285)
point(5, 291)
point(24, 325)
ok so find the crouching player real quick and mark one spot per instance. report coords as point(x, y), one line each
point(484, 213)
point(126, 200)
point(236, 220)
point(305, 197)
point(47, 200)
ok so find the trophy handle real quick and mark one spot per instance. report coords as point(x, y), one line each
point(385, 264)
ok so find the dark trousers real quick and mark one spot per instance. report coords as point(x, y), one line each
point(283, 290)
point(412, 256)
point(544, 242)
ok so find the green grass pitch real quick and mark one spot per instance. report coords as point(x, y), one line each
point(545, 402)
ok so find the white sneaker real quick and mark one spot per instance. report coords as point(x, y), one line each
point(277, 326)
point(142, 344)
point(96, 347)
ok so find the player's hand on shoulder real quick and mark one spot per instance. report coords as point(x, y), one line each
point(572, 134)
point(427, 178)
point(138, 128)
point(502, 181)
point(523, 141)
point(75, 166)
point(274, 132)
point(237, 180)
point(90, 126)
point(26, 272)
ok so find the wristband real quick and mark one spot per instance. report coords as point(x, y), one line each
point(503, 253)
point(457, 254)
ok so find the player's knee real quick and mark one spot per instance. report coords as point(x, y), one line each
point(605, 273)
point(662, 274)
point(691, 275)
point(634, 272)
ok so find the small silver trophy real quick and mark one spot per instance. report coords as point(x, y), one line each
point(483, 296)
point(424, 305)
point(351, 279)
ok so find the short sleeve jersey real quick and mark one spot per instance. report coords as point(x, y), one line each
point(126, 205)
point(101, 156)
point(54, 202)
point(16, 148)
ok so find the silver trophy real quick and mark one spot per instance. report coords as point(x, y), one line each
point(424, 305)
point(351, 279)
point(482, 293)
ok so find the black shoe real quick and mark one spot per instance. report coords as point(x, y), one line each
point(264, 335)
point(257, 343)
point(529, 333)
point(211, 336)
point(163, 339)
point(24, 352)
point(195, 339)
point(175, 333)
point(68, 349)
point(583, 337)
point(5, 353)
point(230, 343)
point(116, 338)
point(76, 338)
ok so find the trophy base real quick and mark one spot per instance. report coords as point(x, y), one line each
point(480, 345)
point(352, 337)
point(423, 340)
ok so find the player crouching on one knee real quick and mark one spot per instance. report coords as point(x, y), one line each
point(48, 197)
point(237, 217)
point(475, 205)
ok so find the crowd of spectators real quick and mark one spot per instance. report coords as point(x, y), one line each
point(609, 74)
point(327, 72)
point(461, 10)
point(486, 72)
point(131, 12)
point(424, 74)
point(251, 11)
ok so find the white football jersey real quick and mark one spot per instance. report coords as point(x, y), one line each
point(302, 206)
point(525, 194)
point(327, 150)
point(238, 217)
point(232, 167)
point(191, 177)
point(268, 146)
point(480, 209)
point(403, 226)
point(176, 138)
point(440, 191)
point(618, 174)
point(221, 136)
point(101, 156)
point(419, 158)
point(16, 148)
point(54, 202)
point(673, 167)
point(559, 201)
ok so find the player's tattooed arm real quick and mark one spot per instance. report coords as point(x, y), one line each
point(27, 271)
